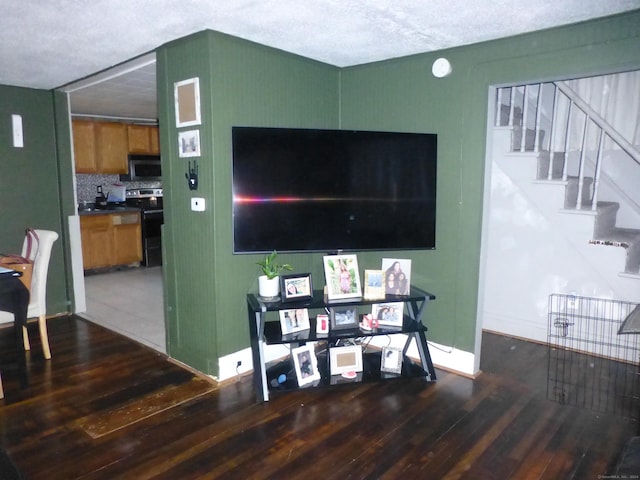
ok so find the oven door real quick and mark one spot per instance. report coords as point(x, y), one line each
point(151, 237)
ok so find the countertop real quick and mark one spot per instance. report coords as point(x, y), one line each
point(106, 211)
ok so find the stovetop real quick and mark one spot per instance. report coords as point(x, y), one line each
point(144, 192)
point(149, 200)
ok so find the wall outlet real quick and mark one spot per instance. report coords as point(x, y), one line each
point(197, 204)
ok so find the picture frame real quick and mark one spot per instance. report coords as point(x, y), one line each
point(342, 276)
point(391, 360)
point(189, 143)
point(296, 287)
point(186, 94)
point(390, 314)
point(294, 320)
point(322, 324)
point(306, 364)
point(344, 317)
point(374, 285)
point(345, 359)
point(397, 276)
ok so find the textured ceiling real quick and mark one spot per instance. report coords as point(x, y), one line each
point(46, 44)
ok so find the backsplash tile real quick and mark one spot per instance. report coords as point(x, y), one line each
point(86, 185)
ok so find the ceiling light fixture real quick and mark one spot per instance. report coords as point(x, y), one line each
point(441, 67)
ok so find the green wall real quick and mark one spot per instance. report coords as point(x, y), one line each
point(247, 84)
point(241, 83)
point(35, 186)
point(402, 94)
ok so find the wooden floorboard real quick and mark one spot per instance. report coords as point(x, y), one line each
point(498, 426)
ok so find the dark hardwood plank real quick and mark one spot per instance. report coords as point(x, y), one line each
point(498, 426)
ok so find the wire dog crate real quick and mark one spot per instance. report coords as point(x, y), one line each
point(590, 364)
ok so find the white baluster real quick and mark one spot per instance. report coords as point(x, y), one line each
point(599, 161)
point(512, 106)
point(582, 161)
point(525, 112)
point(552, 139)
point(566, 141)
point(538, 114)
point(499, 107)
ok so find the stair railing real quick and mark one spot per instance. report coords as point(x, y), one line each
point(520, 97)
point(605, 131)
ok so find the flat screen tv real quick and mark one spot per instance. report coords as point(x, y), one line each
point(308, 190)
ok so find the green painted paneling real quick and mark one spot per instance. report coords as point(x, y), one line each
point(247, 84)
point(30, 183)
point(241, 83)
point(403, 95)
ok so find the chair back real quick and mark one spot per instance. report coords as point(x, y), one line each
point(40, 254)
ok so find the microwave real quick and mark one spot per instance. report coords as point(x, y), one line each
point(143, 168)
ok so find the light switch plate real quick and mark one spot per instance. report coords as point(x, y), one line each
point(16, 123)
point(197, 204)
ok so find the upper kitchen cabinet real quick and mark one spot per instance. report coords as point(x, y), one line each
point(84, 146)
point(100, 147)
point(111, 141)
point(143, 139)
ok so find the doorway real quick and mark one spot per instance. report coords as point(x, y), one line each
point(128, 301)
point(537, 240)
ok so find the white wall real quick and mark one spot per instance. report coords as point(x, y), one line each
point(531, 249)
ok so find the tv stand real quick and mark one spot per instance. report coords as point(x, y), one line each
point(267, 332)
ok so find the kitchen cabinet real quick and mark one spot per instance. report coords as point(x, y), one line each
point(111, 239)
point(111, 147)
point(84, 146)
point(100, 147)
point(96, 244)
point(143, 139)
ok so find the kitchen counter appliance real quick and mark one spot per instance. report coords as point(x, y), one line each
point(149, 201)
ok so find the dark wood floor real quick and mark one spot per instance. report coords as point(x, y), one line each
point(498, 426)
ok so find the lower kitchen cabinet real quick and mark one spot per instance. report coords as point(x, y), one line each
point(111, 239)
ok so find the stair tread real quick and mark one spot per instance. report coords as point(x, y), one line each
point(623, 235)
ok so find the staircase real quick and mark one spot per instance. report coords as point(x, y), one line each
point(577, 165)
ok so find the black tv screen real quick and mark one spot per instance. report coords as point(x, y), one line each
point(313, 190)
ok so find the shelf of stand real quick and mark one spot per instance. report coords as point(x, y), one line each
point(270, 333)
point(370, 373)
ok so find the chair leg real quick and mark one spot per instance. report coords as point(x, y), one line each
point(25, 338)
point(1, 389)
point(44, 336)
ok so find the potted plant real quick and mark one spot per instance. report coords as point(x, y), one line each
point(269, 282)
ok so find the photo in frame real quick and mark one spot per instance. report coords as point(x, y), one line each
point(390, 314)
point(306, 364)
point(342, 276)
point(296, 287)
point(345, 359)
point(189, 143)
point(322, 324)
point(397, 276)
point(374, 284)
point(294, 320)
point(343, 317)
point(186, 94)
point(391, 360)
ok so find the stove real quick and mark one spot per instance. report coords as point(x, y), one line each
point(149, 201)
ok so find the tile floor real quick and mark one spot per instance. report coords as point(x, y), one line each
point(129, 302)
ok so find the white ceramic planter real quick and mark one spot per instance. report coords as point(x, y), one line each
point(268, 288)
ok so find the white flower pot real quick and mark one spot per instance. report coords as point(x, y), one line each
point(268, 288)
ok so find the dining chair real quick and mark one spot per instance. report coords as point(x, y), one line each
point(38, 301)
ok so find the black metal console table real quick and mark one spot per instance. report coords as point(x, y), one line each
point(269, 332)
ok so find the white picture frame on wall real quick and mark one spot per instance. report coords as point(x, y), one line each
point(186, 94)
point(189, 143)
